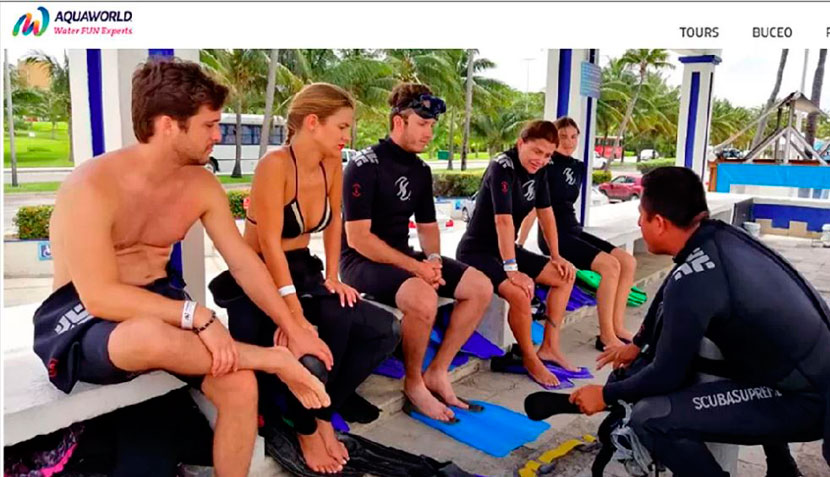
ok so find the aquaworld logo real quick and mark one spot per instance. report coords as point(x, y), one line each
point(26, 25)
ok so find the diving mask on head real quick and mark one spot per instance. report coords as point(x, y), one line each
point(426, 106)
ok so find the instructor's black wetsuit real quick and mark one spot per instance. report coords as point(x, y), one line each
point(773, 331)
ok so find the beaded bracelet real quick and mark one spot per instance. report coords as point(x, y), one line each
point(205, 326)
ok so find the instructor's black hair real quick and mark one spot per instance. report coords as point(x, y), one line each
point(677, 194)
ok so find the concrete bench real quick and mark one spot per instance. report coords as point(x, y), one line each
point(32, 406)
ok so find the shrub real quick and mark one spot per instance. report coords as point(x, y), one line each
point(33, 222)
point(456, 183)
point(600, 177)
point(647, 166)
point(236, 198)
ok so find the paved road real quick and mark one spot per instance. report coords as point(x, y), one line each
point(34, 174)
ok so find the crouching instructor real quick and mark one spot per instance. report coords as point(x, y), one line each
point(769, 324)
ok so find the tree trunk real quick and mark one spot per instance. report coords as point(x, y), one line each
point(629, 111)
point(468, 109)
point(452, 141)
point(237, 165)
point(269, 103)
point(762, 126)
point(10, 116)
point(815, 96)
point(71, 145)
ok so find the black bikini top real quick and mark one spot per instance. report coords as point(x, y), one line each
point(293, 224)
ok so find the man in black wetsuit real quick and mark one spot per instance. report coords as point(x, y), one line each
point(513, 185)
point(383, 186)
point(770, 330)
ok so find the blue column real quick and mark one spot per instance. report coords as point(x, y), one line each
point(694, 118)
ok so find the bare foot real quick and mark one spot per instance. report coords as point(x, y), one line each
point(335, 448)
point(305, 386)
point(539, 372)
point(316, 455)
point(556, 357)
point(439, 383)
point(420, 396)
point(624, 334)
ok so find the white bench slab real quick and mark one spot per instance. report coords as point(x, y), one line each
point(32, 406)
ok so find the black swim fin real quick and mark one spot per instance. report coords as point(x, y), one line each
point(542, 405)
point(365, 457)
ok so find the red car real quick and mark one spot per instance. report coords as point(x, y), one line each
point(623, 187)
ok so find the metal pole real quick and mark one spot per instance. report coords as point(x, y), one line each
point(787, 136)
point(10, 116)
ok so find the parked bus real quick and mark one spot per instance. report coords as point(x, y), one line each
point(224, 153)
point(604, 146)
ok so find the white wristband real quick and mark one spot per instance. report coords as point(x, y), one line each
point(436, 256)
point(188, 312)
point(511, 267)
point(287, 290)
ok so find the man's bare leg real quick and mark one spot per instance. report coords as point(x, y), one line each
point(557, 302)
point(520, 321)
point(472, 295)
point(235, 398)
point(146, 344)
point(628, 267)
point(418, 302)
point(607, 295)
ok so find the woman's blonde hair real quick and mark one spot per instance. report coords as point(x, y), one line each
point(320, 99)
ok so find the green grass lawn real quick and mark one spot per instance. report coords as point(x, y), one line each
point(36, 148)
point(245, 179)
point(31, 187)
point(457, 157)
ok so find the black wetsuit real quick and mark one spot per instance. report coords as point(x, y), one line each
point(772, 331)
point(387, 185)
point(506, 188)
point(564, 177)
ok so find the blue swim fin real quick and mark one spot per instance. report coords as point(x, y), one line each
point(537, 332)
point(477, 345)
point(457, 361)
point(494, 429)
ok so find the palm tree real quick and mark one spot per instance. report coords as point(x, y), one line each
point(615, 93)
point(762, 126)
point(273, 61)
point(468, 107)
point(243, 72)
point(643, 60)
point(815, 96)
point(56, 103)
point(368, 79)
point(485, 90)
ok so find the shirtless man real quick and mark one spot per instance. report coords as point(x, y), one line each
point(115, 313)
